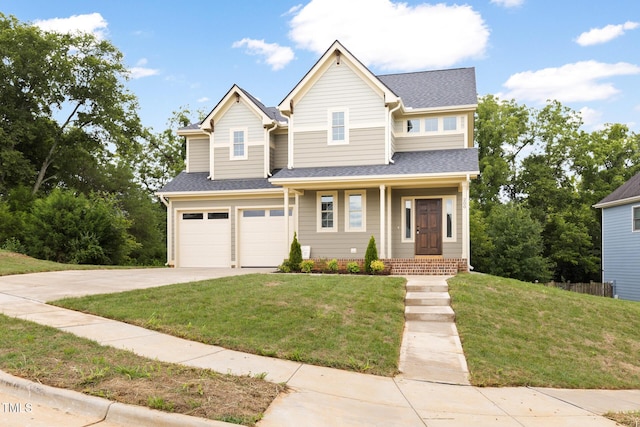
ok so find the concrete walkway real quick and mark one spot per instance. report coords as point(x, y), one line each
point(319, 396)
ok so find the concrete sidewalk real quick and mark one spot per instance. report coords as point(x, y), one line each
point(319, 396)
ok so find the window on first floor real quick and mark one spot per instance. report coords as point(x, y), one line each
point(448, 218)
point(636, 218)
point(448, 208)
point(407, 220)
point(355, 212)
point(327, 211)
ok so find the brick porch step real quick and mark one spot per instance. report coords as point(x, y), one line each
point(428, 299)
point(427, 288)
point(430, 313)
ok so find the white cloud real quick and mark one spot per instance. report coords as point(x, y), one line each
point(203, 99)
point(604, 34)
point(508, 3)
point(590, 117)
point(392, 36)
point(275, 55)
point(578, 82)
point(92, 23)
point(293, 10)
point(140, 71)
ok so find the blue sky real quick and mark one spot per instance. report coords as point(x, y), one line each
point(584, 53)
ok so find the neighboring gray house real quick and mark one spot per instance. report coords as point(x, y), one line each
point(621, 239)
point(346, 155)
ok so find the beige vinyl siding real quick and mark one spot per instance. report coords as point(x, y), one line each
point(252, 167)
point(233, 204)
point(238, 116)
point(337, 244)
point(402, 249)
point(198, 154)
point(430, 142)
point(339, 87)
point(280, 152)
point(366, 147)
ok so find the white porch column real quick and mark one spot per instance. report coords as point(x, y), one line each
point(383, 223)
point(465, 221)
point(389, 225)
point(286, 221)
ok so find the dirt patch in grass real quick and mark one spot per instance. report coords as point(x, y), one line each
point(630, 419)
point(52, 357)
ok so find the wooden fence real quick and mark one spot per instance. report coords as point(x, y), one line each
point(592, 288)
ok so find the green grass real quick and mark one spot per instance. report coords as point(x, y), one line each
point(13, 263)
point(59, 359)
point(521, 334)
point(346, 322)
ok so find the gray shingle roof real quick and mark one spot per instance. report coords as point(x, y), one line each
point(410, 163)
point(197, 181)
point(628, 190)
point(429, 89)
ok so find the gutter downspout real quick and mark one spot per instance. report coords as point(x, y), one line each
point(388, 153)
point(267, 150)
point(162, 199)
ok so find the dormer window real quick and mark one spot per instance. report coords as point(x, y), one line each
point(338, 126)
point(431, 124)
point(450, 123)
point(238, 149)
point(413, 126)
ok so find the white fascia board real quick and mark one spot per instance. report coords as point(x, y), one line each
point(266, 191)
point(373, 178)
point(192, 132)
point(445, 109)
point(620, 202)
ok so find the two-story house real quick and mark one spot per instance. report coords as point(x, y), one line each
point(345, 156)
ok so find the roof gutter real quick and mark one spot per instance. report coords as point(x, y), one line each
point(388, 142)
point(617, 202)
point(163, 199)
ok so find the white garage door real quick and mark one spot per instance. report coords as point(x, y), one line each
point(262, 239)
point(204, 239)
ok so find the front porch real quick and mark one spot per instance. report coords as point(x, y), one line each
point(407, 266)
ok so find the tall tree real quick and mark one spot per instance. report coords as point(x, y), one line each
point(62, 94)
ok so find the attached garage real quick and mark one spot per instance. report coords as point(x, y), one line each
point(204, 239)
point(262, 237)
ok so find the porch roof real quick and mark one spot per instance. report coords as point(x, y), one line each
point(434, 162)
point(198, 182)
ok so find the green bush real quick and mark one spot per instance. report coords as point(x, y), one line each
point(332, 266)
point(376, 266)
point(353, 267)
point(295, 254)
point(284, 267)
point(306, 266)
point(370, 255)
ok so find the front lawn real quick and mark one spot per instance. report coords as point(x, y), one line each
point(522, 334)
point(346, 322)
point(14, 263)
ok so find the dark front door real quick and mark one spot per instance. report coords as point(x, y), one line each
point(428, 227)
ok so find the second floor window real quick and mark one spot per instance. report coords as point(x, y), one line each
point(450, 123)
point(636, 218)
point(338, 126)
point(239, 148)
point(413, 126)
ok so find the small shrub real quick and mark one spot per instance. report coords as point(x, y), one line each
point(295, 254)
point(306, 266)
point(370, 255)
point(14, 245)
point(284, 267)
point(332, 266)
point(353, 268)
point(376, 266)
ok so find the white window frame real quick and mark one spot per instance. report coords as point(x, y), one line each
point(415, 124)
point(330, 140)
point(457, 120)
point(437, 120)
point(347, 211)
point(422, 123)
point(633, 222)
point(232, 155)
point(319, 227)
point(403, 215)
point(454, 219)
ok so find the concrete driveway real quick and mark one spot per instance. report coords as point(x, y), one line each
point(51, 286)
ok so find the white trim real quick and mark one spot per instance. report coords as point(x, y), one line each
point(374, 178)
point(403, 216)
point(330, 140)
point(319, 195)
point(454, 230)
point(245, 144)
point(383, 220)
point(466, 233)
point(460, 126)
point(347, 211)
point(619, 202)
point(212, 157)
point(389, 226)
point(633, 229)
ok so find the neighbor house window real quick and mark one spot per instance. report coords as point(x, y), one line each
point(431, 125)
point(450, 123)
point(413, 126)
point(355, 213)
point(239, 147)
point(636, 218)
point(327, 211)
point(407, 220)
point(338, 121)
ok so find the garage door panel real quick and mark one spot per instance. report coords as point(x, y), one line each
point(204, 239)
point(262, 239)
